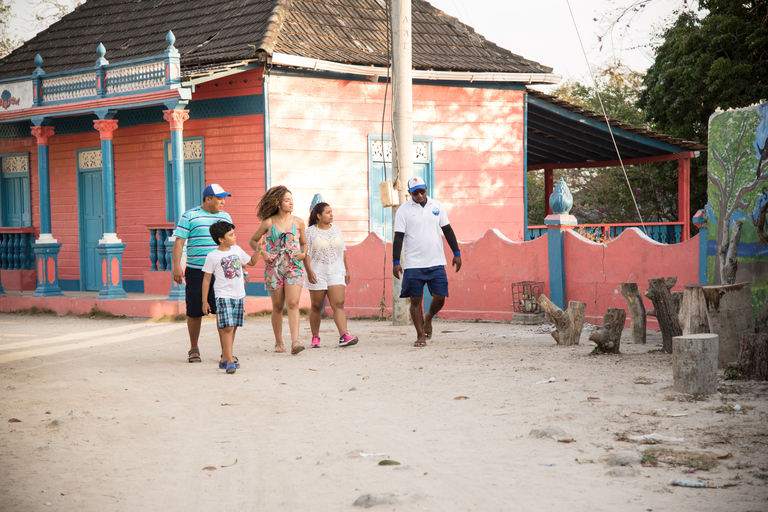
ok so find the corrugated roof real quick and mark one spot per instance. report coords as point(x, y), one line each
point(226, 31)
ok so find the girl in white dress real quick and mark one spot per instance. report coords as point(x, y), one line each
point(327, 272)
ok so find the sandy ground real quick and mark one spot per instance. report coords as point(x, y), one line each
point(107, 415)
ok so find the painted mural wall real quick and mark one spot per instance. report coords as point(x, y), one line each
point(738, 186)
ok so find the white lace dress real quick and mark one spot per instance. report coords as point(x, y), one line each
point(326, 250)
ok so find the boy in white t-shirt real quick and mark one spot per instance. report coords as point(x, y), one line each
point(226, 262)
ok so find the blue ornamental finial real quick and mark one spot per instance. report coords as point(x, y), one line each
point(170, 39)
point(101, 52)
point(318, 198)
point(561, 199)
point(39, 63)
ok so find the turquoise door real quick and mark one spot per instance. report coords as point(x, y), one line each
point(91, 227)
point(194, 178)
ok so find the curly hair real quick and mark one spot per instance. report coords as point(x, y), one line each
point(316, 211)
point(269, 204)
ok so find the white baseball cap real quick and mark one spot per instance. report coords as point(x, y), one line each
point(416, 183)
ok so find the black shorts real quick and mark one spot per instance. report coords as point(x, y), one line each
point(194, 292)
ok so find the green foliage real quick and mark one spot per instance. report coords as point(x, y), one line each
point(720, 61)
point(7, 41)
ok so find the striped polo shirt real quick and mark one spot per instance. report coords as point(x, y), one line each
point(193, 227)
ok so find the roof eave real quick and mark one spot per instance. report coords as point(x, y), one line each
point(282, 59)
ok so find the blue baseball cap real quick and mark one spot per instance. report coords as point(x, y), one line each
point(214, 189)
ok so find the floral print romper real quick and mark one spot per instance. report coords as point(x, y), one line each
point(283, 268)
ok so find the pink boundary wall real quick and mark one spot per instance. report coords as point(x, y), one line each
point(490, 265)
point(594, 272)
point(481, 290)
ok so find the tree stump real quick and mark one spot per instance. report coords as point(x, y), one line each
point(608, 336)
point(729, 310)
point(637, 319)
point(693, 310)
point(568, 323)
point(694, 363)
point(753, 356)
point(664, 309)
point(729, 264)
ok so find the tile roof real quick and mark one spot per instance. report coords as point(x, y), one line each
point(212, 32)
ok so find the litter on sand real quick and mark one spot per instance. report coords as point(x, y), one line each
point(371, 454)
point(551, 379)
point(688, 483)
point(657, 438)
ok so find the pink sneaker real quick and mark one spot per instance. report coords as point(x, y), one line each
point(315, 342)
point(347, 339)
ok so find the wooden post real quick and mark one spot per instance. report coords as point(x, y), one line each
point(608, 336)
point(753, 356)
point(637, 319)
point(693, 310)
point(568, 323)
point(729, 310)
point(664, 309)
point(694, 363)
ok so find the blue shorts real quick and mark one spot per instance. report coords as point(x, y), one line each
point(230, 312)
point(414, 280)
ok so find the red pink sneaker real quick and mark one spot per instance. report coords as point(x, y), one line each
point(315, 342)
point(347, 339)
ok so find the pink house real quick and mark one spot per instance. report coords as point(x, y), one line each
point(113, 127)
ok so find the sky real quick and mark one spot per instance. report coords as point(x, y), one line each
point(539, 30)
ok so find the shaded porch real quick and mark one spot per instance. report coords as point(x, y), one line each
point(564, 136)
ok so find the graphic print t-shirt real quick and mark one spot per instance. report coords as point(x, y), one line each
point(227, 268)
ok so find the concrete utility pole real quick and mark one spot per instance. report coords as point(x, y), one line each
point(402, 136)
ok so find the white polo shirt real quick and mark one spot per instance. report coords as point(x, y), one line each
point(423, 240)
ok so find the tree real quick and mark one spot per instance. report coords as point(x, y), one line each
point(48, 12)
point(720, 60)
point(7, 41)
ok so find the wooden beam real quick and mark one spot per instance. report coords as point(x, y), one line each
point(684, 197)
point(615, 163)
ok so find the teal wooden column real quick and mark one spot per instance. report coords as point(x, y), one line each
point(557, 223)
point(46, 247)
point(176, 118)
point(110, 247)
point(700, 221)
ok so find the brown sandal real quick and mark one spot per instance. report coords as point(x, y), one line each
point(194, 358)
point(279, 348)
point(295, 349)
point(420, 344)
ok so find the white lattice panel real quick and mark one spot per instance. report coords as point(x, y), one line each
point(69, 87)
point(15, 164)
point(134, 78)
point(89, 159)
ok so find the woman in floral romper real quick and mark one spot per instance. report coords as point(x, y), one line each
point(284, 252)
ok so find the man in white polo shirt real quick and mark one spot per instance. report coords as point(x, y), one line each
point(418, 224)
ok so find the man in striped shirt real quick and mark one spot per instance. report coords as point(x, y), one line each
point(193, 228)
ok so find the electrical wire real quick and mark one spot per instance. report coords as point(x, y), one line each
point(605, 115)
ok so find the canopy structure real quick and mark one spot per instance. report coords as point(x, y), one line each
point(563, 136)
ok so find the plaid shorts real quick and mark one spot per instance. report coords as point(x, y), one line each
point(230, 312)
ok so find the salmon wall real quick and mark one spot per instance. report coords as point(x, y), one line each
point(319, 144)
point(594, 272)
point(482, 289)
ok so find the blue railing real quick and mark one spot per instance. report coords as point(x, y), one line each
point(662, 232)
point(16, 248)
point(160, 253)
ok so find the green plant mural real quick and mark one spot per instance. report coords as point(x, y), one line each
point(738, 186)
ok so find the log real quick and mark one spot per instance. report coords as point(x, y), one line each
point(608, 336)
point(693, 310)
point(729, 264)
point(664, 309)
point(568, 323)
point(753, 356)
point(637, 319)
point(729, 311)
point(694, 363)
